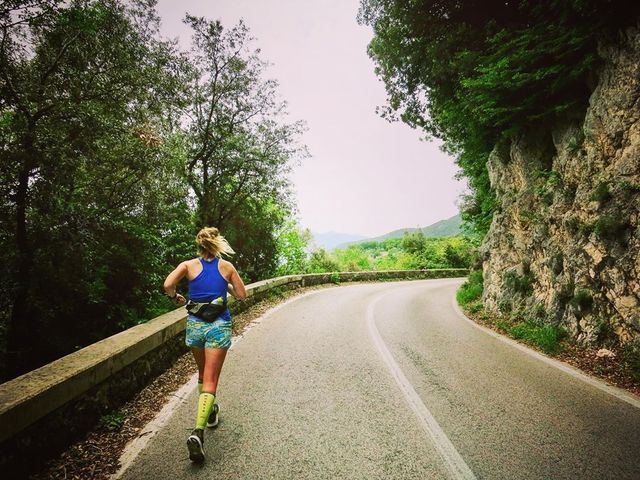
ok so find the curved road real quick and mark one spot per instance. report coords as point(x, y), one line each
point(387, 381)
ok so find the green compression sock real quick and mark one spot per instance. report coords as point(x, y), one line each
point(199, 388)
point(205, 405)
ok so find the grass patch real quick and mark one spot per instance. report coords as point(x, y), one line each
point(546, 337)
point(503, 325)
point(471, 290)
point(112, 421)
point(475, 307)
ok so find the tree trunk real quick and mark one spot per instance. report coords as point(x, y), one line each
point(18, 345)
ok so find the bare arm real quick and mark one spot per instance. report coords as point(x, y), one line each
point(236, 285)
point(172, 280)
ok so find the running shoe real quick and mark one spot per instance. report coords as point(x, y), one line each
point(195, 445)
point(212, 421)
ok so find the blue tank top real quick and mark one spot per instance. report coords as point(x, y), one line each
point(209, 284)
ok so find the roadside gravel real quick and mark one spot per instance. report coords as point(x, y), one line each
point(611, 369)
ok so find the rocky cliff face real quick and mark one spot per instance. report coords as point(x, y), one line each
point(564, 244)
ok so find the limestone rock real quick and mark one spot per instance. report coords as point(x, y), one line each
point(604, 353)
point(567, 236)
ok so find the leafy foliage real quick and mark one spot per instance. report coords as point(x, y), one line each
point(112, 421)
point(471, 290)
point(88, 185)
point(477, 73)
point(239, 149)
point(546, 337)
point(292, 245)
point(411, 252)
point(115, 148)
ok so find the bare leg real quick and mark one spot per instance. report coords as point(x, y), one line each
point(213, 360)
point(209, 361)
point(198, 356)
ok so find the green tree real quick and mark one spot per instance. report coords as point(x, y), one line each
point(352, 259)
point(293, 243)
point(320, 262)
point(87, 180)
point(239, 147)
point(414, 242)
point(252, 231)
point(476, 73)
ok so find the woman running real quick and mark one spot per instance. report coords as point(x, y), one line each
point(210, 277)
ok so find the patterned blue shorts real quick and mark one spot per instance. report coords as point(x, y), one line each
point(201, 334)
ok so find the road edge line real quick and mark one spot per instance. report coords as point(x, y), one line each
point(137, 445)
point(453, 461)
point(133, 449)
point(617, 392)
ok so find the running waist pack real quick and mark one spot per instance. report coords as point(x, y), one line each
point(209, 311)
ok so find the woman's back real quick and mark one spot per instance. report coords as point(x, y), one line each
point(209, 283)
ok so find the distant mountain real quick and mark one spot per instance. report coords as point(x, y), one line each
point(444, 228)
point(330, 240)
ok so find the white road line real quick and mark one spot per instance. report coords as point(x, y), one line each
point(455, 464)
point(139, 443)
point(568, 369)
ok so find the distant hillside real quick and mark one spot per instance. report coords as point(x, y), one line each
point(330, 240)
point(444, 228)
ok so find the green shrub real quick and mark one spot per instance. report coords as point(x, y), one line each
point(565, 293)
point(527, 216)
point(572, 224)
point(321, 261)
point(610, 228)
point(546, 337)
point(112, 421)
point(542, 231)
point(504, 306)
point(520, 284)
point(471, 290)
point(603, 331)
point(601, 193)
point(475, 307)
point(630, 353)
point(582, 300)
point(547, 198)
point(539, 311)
point(587, 228)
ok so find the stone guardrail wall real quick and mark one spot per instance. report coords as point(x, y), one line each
point(46, 409)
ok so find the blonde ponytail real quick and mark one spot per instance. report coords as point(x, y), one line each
point(212, 244)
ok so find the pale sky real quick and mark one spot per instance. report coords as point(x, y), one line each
point(365, 176)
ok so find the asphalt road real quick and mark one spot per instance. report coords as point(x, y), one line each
point(386, 380)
